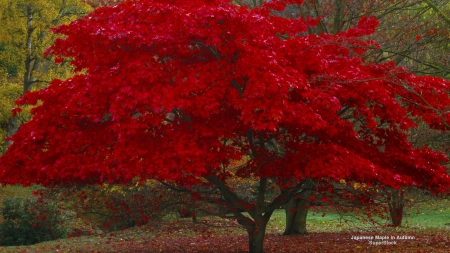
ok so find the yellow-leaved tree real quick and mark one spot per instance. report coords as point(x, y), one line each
point(24, 36)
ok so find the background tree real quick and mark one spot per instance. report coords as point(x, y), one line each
point(25, 36)
point(296, 209)
point(413, 34)
point(182, 92)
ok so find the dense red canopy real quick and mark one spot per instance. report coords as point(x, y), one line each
point(177, 90)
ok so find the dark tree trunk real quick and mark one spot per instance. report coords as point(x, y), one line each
point(259, 212)
point(296, 213)
point(256, 237)
point(297, 210)
point(396, 204)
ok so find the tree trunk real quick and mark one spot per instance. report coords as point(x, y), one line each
point(297, 210)
point(296, 213)
point(256, 237)
point(259, 214)
point(396, 204)
point(30, 65)
point(12, 128)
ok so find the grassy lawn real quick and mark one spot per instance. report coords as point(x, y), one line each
point(431, 214)
point(328, 233)
point(15, 191)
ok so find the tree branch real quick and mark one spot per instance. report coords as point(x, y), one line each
point(436, 9)
point(230, 197)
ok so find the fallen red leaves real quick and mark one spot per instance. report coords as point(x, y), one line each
point(223, 236)
point(316, 242)
point(183, 238)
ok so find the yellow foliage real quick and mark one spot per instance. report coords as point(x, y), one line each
point(14, 49)
point(123, 189)
point(46, 14)
point(359, 185)
point(8, 94)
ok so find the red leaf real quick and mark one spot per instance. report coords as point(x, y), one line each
point(59, 60)
point(15, 111)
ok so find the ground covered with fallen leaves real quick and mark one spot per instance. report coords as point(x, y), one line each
point(224, 236)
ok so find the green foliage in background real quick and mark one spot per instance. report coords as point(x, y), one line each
point(29, 221)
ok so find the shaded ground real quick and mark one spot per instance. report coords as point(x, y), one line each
point(317, 242)
point(224, 236)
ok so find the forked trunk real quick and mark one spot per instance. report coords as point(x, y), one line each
point(296, 214)
point(260, 213)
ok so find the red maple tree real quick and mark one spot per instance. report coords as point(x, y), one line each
point(180, 91)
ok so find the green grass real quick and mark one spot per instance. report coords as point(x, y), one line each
point(16, 191)
point(434, 214)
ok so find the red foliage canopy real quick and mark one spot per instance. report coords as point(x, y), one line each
point(177, 90)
